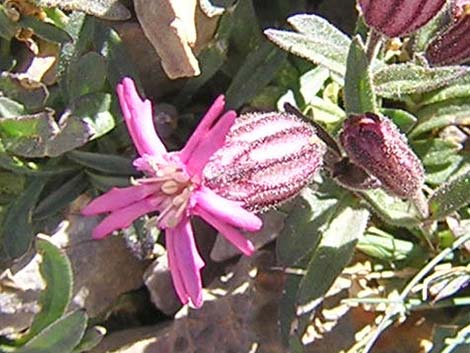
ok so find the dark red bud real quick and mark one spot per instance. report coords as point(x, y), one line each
point(452, 47)
point(268, 158)
point(374, 143)
point(398, 18)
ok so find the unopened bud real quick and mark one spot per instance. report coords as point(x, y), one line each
point(452, 47)
point(398, 18)
point(267, 159)
point(374, 143)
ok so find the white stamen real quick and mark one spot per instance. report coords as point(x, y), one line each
point(170, 187)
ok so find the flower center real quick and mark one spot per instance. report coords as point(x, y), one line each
point(174, 191)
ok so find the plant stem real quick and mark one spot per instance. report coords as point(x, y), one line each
point(374, 41)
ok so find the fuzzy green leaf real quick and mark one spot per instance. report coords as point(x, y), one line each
point(302, 227)
point(316, 40)
point(404, 120)
point(400, 80)
point(334, 252)
point(450, 197)
point(439, 115)
point(391, 209)
point(359, 93)
point(106, 9)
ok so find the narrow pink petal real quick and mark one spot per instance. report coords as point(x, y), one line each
point(212, 141)
point(174, 270)
point(139, 119)
point(204, 126)
point(123, 217)
point(117, 198)
point(188, 261)
point(230, 233)
point(227, 211)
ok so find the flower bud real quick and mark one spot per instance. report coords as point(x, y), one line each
point(374, 143)
point(452, 47)
point(267, 159)
point(398, 18)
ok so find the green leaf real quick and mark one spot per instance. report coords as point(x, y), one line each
point(105, 163)
point(312, 82)
point(87, 75)
point(106, 9)
point(435, 152)
point(450, 197)
point(383, 246)
point(108, 43)
point(8, 28)
point(44, 30)
point(92, 337)
point(32, 97)
point(317, 40)
point(60, 337)
point(459, 89)
point(56, 271)
point(397, 81)
point(94, 110)
point(104, 183)
point(325, 111)
point(26, 167)
point(17, 229)
point(60, 198)
point(303, 226)
point(391, 209)
point(39, 135)
point(256, 72)
point(359, 93)
point(334, 252)
point(439, 115)
point(10, 108)
point(404, 120)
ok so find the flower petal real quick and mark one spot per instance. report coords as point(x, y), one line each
point(229, 232)
point(227, 211)
point(117, 198)
point(204, 126)
point(139, 119)
point(186, 260)
point(211, 142)
point(123, 217)
point(174, 269)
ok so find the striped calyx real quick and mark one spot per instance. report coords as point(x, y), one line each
point(398, 18)
point(374, 143)
point(452, 47)
point(267, 159)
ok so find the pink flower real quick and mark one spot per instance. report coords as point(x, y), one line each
point(173, 187)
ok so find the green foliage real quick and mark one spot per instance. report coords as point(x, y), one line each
point(399, 80)
point(316, 40)
point(56, 270)
point(359, 93)
point(450, 197)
